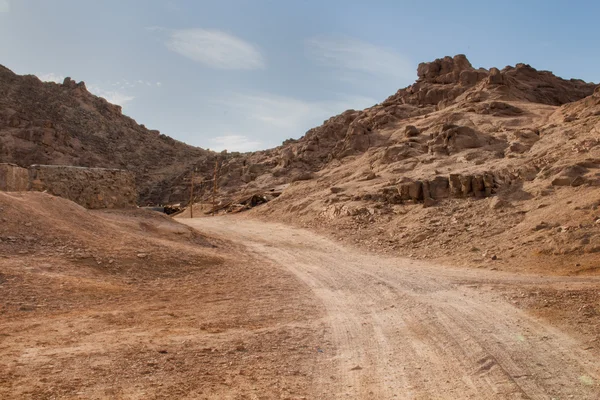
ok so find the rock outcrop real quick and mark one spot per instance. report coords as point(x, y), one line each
point(89, 187)
point(13, 178)
point(64, 124)
point(453, 113)
point(428, 191)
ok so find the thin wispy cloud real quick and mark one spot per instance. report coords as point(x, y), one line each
point(239, 143)
point(124, 83)
point(112, 96)
point(356, 55)
point(4, 6)
point(215, 49)
point(51, 77)
point(289, 113)
point(264, 120)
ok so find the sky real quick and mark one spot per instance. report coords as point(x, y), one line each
point(244, 75)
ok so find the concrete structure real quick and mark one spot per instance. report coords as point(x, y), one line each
point(89, 187)
point(13, 178)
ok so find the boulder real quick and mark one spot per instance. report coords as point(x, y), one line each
point(415, 191)
point(445, 70)
point(455, 185)
point(578, 181)
point(437, 149)
point(253, 169)
point(453, 139)
point(399, 153)
point(69, 83)
point(404, 190)
point(497, 203)
point(382, 119)
point(392, 195)
point(357, 140)
point(467, 78)
point(495, 77)
point(568, 181)
point(517, 148)
point(286, 157)
point(428, 200)
point(411, 131)
point(478, 186)
point(439, 187)
point(466, 183)
point(497, 108)
point(461, 137)
point(488, 183)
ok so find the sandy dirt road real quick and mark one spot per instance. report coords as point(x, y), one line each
point(403, 329)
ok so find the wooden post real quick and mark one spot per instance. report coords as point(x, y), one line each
point(192, 195)
point(215, 187)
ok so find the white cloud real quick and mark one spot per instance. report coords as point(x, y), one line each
point(356, 55)
point(4, 6)
point(215, 49)
point(50, 77)
point(264, 120)
point(124, 83)
point(289, 114)
point(235, 143)
point(112, 96)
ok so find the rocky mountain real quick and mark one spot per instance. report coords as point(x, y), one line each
point(494, 168)
point(467, 163)
point(49, 123)
point(452, 112)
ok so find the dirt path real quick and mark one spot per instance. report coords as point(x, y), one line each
point(408, 330)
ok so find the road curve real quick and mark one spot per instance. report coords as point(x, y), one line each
point(403, 329)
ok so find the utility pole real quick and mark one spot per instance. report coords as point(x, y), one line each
point(192, 194)
point(214, 187)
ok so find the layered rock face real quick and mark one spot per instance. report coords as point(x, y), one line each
point(450, 86)
point(453, 113)
point(89, 187)
point(92, 188)
point(64, 124)
point(13, 178)
point(429, 191)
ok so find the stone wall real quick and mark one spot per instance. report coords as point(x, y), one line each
point(13, 178)
point(90, 187)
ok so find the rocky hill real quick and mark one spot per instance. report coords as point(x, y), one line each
point(49, 123)
point(492, 168)
point(468, 164)
point(453, 114)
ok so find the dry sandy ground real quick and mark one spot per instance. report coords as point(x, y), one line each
point(399, 328)
point(133, 305)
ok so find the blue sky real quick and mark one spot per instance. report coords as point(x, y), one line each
point(248, 74)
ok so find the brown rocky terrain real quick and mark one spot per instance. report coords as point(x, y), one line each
point(133, 305)
point(452, 113)
point(452, 251)
point(496, 169)
point(64, 124)
point(505, 160)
